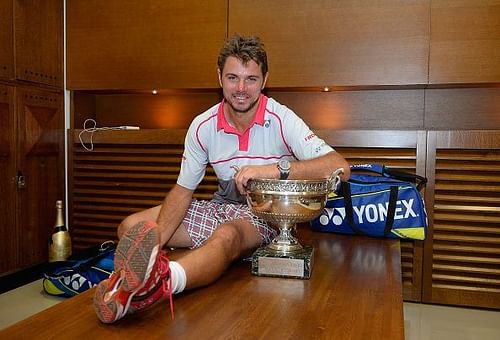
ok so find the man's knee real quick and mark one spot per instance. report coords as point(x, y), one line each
point(236, 238)
point(230, 239)
point(131, 220)
point(126, 224)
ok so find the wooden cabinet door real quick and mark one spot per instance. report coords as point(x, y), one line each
point(147, 44)
point(465, 42)
point(8, 230)
point(39, 41)
point(462, 251)
point(40, 145)
point(6, 40)
point(321, 42)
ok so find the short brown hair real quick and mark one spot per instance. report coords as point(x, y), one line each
point(245, 49)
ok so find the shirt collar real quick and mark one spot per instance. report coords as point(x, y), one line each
point(222, 123)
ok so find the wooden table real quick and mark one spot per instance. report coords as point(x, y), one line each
point(355, 292)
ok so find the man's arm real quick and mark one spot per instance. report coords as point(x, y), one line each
point(320, 167)
point(173, 211)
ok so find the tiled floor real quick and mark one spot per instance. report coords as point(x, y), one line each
point(22, 302)
point(422, 322)
point(425, 322)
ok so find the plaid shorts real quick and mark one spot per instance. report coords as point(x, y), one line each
point(203, 218)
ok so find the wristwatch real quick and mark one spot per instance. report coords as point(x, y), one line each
point(284, 168)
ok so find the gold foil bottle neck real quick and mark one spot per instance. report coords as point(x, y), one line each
point(59, 215)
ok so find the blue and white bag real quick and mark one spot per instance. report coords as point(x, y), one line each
point(387, 205)
point(80, 272)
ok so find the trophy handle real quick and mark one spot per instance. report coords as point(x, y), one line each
point(334, 179)
point(235, 168)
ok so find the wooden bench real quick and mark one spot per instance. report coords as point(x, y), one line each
point(355, 292)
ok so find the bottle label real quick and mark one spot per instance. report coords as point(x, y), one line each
point(60, 248)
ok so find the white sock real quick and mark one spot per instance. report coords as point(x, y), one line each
point(177, 277)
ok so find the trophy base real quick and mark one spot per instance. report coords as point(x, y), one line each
point(268, 262)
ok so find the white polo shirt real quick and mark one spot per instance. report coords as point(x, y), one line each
point(275, 133)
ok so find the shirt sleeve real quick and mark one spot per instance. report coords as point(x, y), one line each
point(194, 159)
point(303, 142)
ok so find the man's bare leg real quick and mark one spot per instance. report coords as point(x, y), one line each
point(180, 239)
point(205, 264)
point(229, 242)
point(144, 275)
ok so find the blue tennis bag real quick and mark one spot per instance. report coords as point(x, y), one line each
point(387, 204)
point(80, 272)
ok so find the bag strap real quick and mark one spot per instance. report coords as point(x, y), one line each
point(420, 181)
point(88, 257)
point(349, 210)
point(380, 169)
point(391, 209)
point(104, 250)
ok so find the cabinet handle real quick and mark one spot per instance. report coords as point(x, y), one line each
point(20, 180)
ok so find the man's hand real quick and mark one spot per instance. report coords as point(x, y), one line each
point(319, 167)
point(248, 172)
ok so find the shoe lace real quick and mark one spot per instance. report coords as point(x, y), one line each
point(166, 284)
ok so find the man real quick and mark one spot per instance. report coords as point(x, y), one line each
point(247, 131)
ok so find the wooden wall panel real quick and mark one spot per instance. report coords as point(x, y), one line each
point(40, 153)
point(432, 109)
point(8, 229)
point(83, 106)
point(462, 254)
point(318, 43)
point(144, 44)
point(158, 44)
point(6, 40)
point(465, 40)
point(382, 109)
point(473, 108)
point(388, 109)
point(39, 41)
point(163, 111)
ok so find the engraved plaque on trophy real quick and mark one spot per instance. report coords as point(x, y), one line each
point(283, 204)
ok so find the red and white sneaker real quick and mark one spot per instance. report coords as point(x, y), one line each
point(141, 275)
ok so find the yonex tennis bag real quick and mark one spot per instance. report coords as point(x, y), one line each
point(384, 205)
point(80, 272)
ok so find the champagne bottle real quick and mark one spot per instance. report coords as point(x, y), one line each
point(60, 240)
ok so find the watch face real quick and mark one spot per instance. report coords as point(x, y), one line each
point(284, 165)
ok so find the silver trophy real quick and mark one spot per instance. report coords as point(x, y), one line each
point(283, 204)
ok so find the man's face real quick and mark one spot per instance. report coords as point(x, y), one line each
point(241, 84)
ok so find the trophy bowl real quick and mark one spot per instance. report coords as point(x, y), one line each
point(284, 203)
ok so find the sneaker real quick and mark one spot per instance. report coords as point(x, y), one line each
point(141, 275)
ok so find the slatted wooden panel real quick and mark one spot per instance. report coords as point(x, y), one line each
point(462, 262)
point(402, 150)
point(120, 177)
